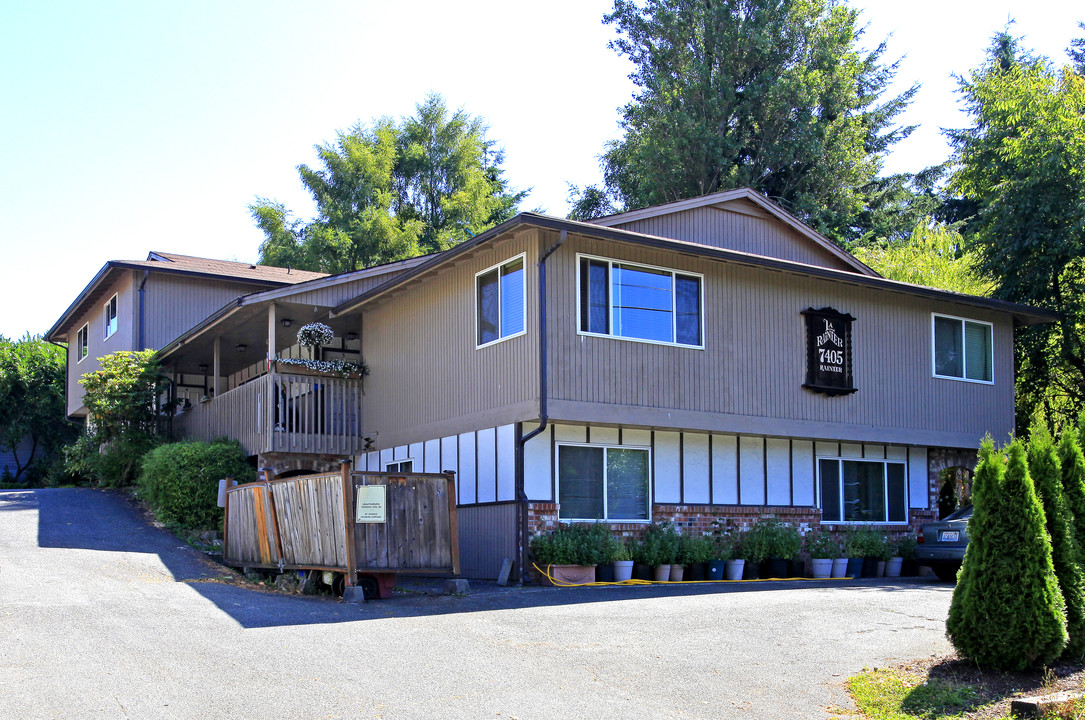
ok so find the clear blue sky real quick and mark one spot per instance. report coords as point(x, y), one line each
point(137, 126)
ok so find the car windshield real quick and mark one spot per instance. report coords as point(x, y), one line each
point(960, 514)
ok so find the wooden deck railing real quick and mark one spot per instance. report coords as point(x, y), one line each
point(281, 412)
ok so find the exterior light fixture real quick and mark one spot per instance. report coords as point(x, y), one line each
point(352, 336)
point(287, 322)
point(203, 367)
point(241, 347)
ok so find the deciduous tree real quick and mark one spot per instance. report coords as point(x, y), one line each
point(933, 255)
point(31, 402)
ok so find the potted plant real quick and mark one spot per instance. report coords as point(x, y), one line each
point(853, 549)
point(568, 555)
point(823, 551)
point(606, 543)
point(621, 555)
point(755, 547)
point(906, 550)
point(895, 562)
point(695, 553)
point(721, 552)
point(660, 549)
point(777, 542)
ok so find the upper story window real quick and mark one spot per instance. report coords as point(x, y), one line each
point(499, 301)
point(862, 491)
point(81, 342)
point(640, 302)
point(963, 349)
point(111, 316)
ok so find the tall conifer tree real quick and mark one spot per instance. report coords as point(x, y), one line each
point(1007, 612)
point(1044, 468)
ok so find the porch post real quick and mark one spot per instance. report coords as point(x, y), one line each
point(270, 335)
point(216, 367)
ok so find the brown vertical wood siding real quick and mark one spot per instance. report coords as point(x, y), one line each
point(126, 288)
point(175, 304)
point(737, 231)
point(753, 363)
point(420, 345)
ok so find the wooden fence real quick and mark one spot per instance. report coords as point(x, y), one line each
point(312, 522)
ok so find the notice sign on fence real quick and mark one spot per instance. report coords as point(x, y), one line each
point(372, 504)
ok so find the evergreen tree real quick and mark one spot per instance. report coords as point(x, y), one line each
point(1007, 612)
point(1072, 466)
point(1044, 469)
point(770, 94)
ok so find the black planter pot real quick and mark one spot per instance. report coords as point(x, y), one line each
point(796, 568)
point(870, 567)
point(604, 572)
point(855, 568)
point(641, 572)
point(909, 568)
point(751, 571)
point(774, 568)
point(714, 570)
point(694, 572)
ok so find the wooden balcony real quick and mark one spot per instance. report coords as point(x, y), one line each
point(282, 412)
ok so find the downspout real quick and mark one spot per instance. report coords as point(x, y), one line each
point(142, 292)
point(521, 441)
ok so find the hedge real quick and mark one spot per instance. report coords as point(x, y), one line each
point(180, 480)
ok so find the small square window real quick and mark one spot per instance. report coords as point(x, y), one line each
point(963, 349)
point(405, 466)
point(499, 301)
point(111, 316)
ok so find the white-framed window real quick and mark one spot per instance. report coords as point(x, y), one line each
point(604, 482)
point(963, 349)
point(638, 302)
point(111, 316)
point(499, 302)
point(401, 466)
point(862, 491)
point(82, 344)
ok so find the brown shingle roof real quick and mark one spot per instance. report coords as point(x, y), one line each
point(227, 268)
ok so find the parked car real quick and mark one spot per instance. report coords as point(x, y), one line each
point(941, 544)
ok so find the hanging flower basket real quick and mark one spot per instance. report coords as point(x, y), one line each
point(315, 334)
point(337, 368)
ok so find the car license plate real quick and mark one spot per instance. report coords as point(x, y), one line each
point(949, 536)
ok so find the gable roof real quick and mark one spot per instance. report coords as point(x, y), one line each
point(725, 200)
point(226, 270)
point(1022, 314)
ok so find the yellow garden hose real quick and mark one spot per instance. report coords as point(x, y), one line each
point(562, 583)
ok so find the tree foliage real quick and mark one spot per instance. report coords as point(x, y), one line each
point(1043, 462)
point(1072, 468)
point(769, 94)
point(121, 397)
point(32, 403)
point(1021, 166)
point(388, 191)
point(933, 255)
point(1007, 612)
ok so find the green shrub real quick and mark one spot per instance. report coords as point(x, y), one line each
point(771, 537)
point(1043, 463)
point(906, 547)
point(695, 549)
point(116, 464)
point(180, 480)
point(573, 544)
point(659, 545)
point(1007, 612)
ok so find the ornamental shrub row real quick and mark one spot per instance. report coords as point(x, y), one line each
point(1020, 596)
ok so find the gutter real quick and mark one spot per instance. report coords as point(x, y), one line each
point(521, 440)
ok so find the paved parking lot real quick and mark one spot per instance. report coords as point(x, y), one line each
point(103, 616)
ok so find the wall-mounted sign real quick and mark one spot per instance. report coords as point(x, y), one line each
point(371, 505)
point(828, 352)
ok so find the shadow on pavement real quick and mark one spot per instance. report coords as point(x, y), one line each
point(89, 519)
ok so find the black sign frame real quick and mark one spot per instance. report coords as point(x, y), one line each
point(828, 337)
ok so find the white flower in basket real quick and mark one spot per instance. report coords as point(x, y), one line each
point(315, 334)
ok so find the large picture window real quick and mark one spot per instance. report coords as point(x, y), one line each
point(111, 316)
point(963, 349)
point(640, 302)
point(862, 491)
point(603, 483)
point(499, 300)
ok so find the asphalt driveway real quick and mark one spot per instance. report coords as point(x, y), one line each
point(104, 616)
